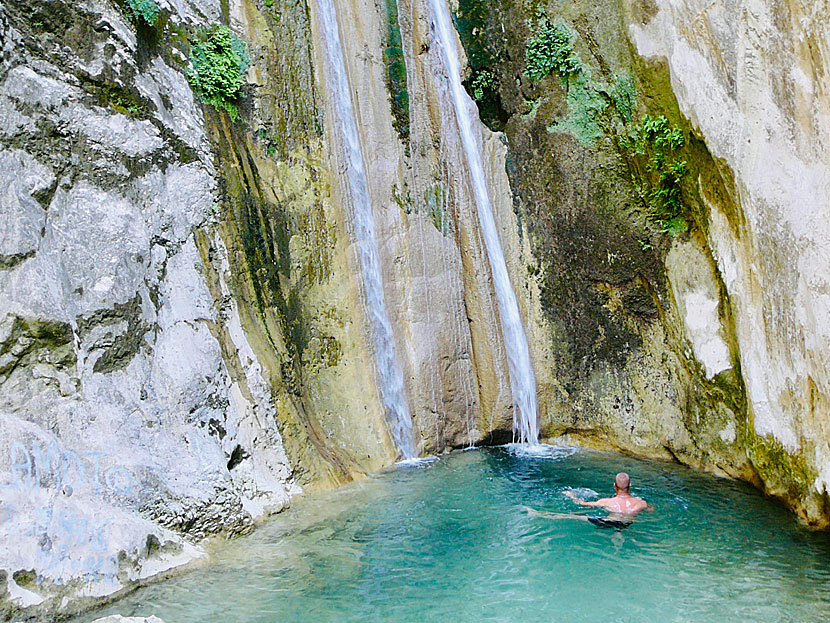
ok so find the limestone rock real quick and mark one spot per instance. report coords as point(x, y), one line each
point(122, 428)
point(747, 76)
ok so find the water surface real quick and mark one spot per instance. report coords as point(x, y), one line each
point(450, 540)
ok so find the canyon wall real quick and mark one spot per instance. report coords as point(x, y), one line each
point(184, 342)
point(682, 284)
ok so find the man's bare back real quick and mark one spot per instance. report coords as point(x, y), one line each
point(623, 504)
point(623, 507)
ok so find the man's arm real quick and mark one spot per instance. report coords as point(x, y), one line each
point(572, 495)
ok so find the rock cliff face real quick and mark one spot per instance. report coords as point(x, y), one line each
point(752, 79)
point(676, 256)
point(184, 344)
point(124, 427)
point(720, 367)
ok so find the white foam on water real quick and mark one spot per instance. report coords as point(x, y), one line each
point(583, 493)
point(540, 451)
point(424, 461)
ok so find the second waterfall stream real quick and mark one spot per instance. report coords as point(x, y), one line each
point(522, 380)
point(388, 368)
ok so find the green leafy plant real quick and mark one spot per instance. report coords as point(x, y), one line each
point(143, 10)
point(656, 141)
point(661, 134)
point(219, 60)
point(482, 81)
point(551, 50)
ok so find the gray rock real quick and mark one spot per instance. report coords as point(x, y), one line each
point(112, 383)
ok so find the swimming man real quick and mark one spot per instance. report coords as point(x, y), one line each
point(622, 508)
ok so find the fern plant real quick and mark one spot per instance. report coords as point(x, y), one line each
point(482, 81)
point(656, 141)
point(143, 10)
point(551, 50)
point(219, 60)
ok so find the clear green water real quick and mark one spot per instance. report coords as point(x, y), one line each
point(450, 541)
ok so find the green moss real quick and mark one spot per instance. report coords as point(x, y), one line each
point(778, 467)
point(36, 339)
point(402, 200)
point(331, 351)
point(395, 72)
point(219, 60)
point(320, 240)
point(292, 115)
point(434, 196)
point(123, 100)
point(551, 50)
point(624, 96)
point(24, 577)
point(586, 107)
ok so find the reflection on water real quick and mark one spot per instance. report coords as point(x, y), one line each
point(449, 539)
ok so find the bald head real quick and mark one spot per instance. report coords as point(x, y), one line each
point(622, 482)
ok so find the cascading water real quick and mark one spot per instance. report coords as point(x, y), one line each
point(389, 371)
point(522, 381)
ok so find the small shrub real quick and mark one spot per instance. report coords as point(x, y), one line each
point(219, 60)
point(661, 134)
point(656, 140)
point(143, 10)
point(482, 82)
point(551, 50)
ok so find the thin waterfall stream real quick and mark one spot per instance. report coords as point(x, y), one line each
point(522, 381)
point(388, 369)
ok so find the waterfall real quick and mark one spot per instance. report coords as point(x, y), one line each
point(388, 370)
point(522, 381)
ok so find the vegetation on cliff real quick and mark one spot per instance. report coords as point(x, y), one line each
point(551, 50)
point(656, 143)
point(395, 73)
point(142, 10)
point(219, 60)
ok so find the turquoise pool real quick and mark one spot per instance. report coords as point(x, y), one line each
point(450, 541)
